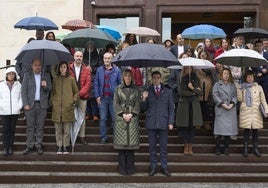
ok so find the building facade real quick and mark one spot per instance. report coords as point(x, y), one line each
point(228, 14)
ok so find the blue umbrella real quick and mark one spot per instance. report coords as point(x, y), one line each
point(113, 32)
point(36, 22)
point(203, 31)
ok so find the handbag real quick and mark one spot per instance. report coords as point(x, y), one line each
point(263, 111)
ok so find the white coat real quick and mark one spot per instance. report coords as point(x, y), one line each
point(10, 100)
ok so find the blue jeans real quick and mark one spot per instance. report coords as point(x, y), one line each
point(105, 108)
point(92, 107)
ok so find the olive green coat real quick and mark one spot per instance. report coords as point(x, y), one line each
point(63, 97)
point(126, 100)
point(188, 96)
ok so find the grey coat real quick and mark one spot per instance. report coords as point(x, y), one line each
point(159, 109)
point(225, 120)
point(29, 87)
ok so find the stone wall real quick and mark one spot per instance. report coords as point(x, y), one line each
point(12, 40)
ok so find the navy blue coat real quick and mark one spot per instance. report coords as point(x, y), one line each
point(115, 80)
point(159, 109)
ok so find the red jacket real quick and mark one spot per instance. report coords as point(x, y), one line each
point(217, 53)
point(84, 82)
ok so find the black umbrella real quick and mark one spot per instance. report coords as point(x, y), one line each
point(251, 33)
point(145, 55)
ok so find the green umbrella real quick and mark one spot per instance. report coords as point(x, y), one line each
point(80, 37)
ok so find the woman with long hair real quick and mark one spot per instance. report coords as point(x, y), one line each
point(225, 98)
point(188, 113)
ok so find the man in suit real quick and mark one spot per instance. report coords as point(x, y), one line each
point(262, 72)
point(158, 103)
point(178, 49)
point(35, 90)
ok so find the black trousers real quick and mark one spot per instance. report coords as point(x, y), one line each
point(126, 162)
point(8, 132)
point(254, 135)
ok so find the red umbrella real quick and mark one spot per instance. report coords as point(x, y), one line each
point(78, 24)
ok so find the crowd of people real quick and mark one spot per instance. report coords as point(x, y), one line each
point(186, 98)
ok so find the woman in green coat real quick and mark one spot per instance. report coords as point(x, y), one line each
point(189, 111)
point(126, 129)
point(63, 96)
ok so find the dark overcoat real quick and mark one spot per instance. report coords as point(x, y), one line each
point(159, 109)
point(188, 96)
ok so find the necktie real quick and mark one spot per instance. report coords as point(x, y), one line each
point(157, 91)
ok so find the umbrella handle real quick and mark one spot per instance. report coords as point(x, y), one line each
point(72, 150)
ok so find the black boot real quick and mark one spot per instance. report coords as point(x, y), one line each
point(10, 150)
point(245, 149)
point(226, 145)
point(5, 152)
point(256, 150)
point(218, 145)
point(246, 141)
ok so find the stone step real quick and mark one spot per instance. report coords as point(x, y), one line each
point(50, 129)
point(141, 167)
point(139, 157)
point(96, 177)
point(172, 148)
point(172, 139)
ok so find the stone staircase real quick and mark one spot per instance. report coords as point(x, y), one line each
point(96, 163)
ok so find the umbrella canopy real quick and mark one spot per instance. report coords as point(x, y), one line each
point(145, 55)
point(80, 37)
point(78, 24)
point(242, 58)
point(193, 62)
point(142, 31)
point(113, 32)
point(60, 36)
point(50, 52)
point(203, 31)
point(251, 33)
point(36, 22)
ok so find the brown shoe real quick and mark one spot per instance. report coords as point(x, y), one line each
point(207, 125)
point(190, 149)
point(95, 118)
point(186, 149)
point(83, 141)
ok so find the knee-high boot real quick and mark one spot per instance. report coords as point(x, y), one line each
point(226, 145)
point(255, 140)
point(218, 145)
point(246, 140)
point(186, 149)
